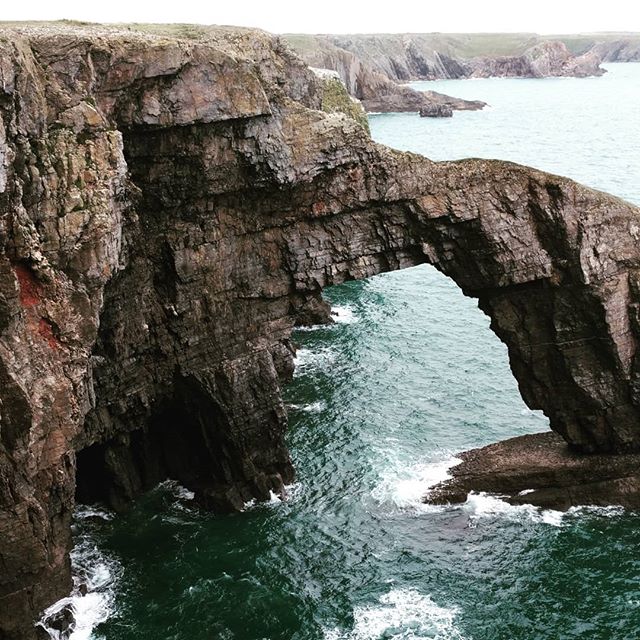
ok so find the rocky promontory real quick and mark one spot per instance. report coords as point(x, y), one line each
point(173, 200)
point(374, 66)
point(369, 84)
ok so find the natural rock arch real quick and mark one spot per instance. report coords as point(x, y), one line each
point(171, 209)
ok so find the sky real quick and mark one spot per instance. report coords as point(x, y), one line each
point(345, 16)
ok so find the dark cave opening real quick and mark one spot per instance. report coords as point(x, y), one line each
point(183, 440)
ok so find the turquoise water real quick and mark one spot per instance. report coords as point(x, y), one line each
point(381, 402)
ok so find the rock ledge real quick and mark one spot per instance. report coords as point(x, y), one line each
point(541, 469)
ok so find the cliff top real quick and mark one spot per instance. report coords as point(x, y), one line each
point(470, 45)
point(195, 32)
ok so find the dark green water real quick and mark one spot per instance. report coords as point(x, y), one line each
point(380, 403)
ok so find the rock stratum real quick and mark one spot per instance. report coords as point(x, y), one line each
point(172, 204)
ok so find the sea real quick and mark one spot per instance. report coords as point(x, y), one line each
point(409, 375)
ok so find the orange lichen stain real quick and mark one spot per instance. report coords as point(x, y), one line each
point(45, 329)
point(30, 288)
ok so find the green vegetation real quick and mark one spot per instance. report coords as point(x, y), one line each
point(459, 45)
point(335, 99)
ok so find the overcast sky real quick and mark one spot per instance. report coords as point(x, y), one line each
point(345, 16)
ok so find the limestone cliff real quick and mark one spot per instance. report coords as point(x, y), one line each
point(173, 203)
point(547, 59)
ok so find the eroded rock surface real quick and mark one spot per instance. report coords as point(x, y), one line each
point(171, 207)
point(541, 469)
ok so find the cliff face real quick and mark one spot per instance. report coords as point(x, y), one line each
point(170, 209)
point(405, 57)
point(543, 60)
point(622, 50)
point(370, 83)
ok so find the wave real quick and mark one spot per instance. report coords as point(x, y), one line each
point(404, 487)
point(176, 490)
point(401, 614)
point(291, 493)
point(483, 505)
point(308, 359)
point(343, 314)
point(312, 407)
point(95, 576)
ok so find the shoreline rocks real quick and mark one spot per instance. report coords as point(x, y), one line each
point(374, 68)
point(436, 111)
point(542, 470)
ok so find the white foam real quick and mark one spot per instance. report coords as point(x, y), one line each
point(313, 407)
point(343, 314)
point(83, 512)
point(306, 359)
point(312, 327)
point(291, 493)
point(92, 600)
point(612, 511)
point(249, 504)
point(401, 614)
point(483, 505)
point(177, 490)
point(405, 486)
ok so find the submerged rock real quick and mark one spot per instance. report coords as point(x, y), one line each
point(436, 111)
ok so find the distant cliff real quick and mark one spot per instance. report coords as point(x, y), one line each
point(370, 84)
point(610, 47)
point(405, 57)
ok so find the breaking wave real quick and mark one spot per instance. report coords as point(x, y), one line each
point(95, 576)
point(401, 614)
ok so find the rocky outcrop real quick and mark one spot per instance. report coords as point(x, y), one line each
point(622, 50)
point(542, 470)
point(436, 111)
point(171, 208)
point(406, 57)
point(336, 99)
point(544, 60)
point(377, 92)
